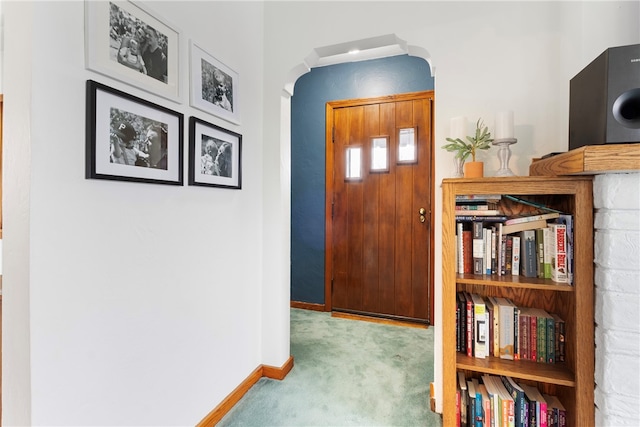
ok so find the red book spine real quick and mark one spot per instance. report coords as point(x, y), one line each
point(467, 244)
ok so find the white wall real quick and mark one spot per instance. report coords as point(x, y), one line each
point(488, 57)
point(127, 303)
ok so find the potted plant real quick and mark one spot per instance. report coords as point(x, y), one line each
point(480, 141)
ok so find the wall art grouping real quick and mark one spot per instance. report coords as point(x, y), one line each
point(132, 139)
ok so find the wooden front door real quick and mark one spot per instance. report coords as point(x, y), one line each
point(379, 206)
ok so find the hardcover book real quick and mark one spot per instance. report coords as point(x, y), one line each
point(515, 228)
point(471, 406)
point(528, 260)
point(559, 337)
point(470, 325)
point(567, 220)
point(540, 251)
point(490, 316)
point(489, 218)
point(478, 212)
point(461, 327)
point(480, 326)
point(507, 405)
point(531, 218)
point(506, 313)
point(479, 416)
point(487, 237)
point(478, 247)
point(520, 406)
point(548, 252)
point(559, 256)
point(490, 383)
point(486, 406)
point(508, 254)
point(496, 326)
point(464, 398)
point(459, 248)
point(515, 259)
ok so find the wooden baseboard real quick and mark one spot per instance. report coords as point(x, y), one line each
point(278, 373)
point(381, 320)
point(432, 397)
point(308, 306)
point(234, 397)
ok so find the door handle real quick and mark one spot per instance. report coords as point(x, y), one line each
point(422, 211)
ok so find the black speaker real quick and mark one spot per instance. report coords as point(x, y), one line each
point(604, 99)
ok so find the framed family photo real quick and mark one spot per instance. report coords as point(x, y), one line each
point(215, 155)
point(126, 41)
point(131, 139)
point(214, 86)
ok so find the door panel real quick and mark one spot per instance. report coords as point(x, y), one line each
point(378, 251)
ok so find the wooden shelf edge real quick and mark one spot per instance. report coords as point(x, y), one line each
point(520, 369)
point(590, 160)
point(520, 282)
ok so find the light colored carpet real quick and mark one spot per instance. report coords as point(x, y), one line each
point(346, 373)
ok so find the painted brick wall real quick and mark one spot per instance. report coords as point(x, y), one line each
point(617, 298)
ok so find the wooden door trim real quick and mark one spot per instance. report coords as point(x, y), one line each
point(329, 185)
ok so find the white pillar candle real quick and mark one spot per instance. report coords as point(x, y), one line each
point(504, 125)
point(459, 128)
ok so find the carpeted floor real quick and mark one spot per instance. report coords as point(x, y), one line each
point(346, 373)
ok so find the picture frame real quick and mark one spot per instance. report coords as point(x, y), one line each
point(215, 155)
point(132, 139)
point(128, 42)
point(213, 85)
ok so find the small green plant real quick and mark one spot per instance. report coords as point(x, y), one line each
point(481, 141)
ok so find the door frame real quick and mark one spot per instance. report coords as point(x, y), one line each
point(329, 186)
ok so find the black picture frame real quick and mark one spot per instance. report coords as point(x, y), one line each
point(215, 155)
point(132, 139)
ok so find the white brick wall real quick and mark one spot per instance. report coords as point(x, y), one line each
point(617, 298)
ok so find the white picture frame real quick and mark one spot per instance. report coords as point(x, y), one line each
point(110, 27)
point(213, 85)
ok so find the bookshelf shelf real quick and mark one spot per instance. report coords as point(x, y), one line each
point(557, 373)
point(513, 281)
point(572, 380)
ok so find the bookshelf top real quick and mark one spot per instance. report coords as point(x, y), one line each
point(506, 180)
point(520, 185)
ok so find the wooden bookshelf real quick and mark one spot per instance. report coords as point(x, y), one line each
point(573, 380)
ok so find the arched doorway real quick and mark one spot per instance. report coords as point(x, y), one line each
point(375, 77)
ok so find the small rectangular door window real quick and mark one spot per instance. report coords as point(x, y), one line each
point(407, 148)
point(380, 154)
point(354, 163)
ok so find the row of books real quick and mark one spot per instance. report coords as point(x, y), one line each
point(500, 401)
point(534, 248)
point(495, 327)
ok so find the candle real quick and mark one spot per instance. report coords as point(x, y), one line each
point(459, 128)
point(504, 125)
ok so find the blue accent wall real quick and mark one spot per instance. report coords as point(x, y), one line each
point(365, 79)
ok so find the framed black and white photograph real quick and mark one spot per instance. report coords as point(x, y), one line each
point(128, 42)
point(132, 139)
point(215, 155)
point(214, 86)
